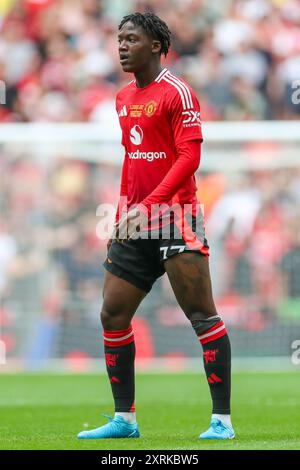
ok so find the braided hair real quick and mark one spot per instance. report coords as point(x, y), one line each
point(153, 26)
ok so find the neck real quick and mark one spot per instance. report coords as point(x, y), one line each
point(148, 75)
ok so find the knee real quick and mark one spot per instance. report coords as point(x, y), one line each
point(112, 319)
point(106, 319)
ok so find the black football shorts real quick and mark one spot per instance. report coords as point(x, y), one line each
point(141, 261)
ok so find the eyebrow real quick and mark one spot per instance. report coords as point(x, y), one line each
point(127, 35)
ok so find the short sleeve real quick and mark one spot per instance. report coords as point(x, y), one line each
point(184, 111)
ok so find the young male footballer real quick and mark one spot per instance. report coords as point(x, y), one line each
point(161, 131)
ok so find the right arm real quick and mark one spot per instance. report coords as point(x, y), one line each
point(123, 187)
point(123, 194)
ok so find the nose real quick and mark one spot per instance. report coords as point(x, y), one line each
point(122, 46)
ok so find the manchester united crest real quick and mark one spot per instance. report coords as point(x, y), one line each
point(150, 108)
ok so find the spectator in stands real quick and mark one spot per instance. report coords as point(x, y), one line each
point(59, 63)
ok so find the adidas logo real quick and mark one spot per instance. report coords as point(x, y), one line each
point(213, 379)
point(115, 380)
point(123, 111)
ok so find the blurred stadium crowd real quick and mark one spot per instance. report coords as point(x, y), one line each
point(59, 61)
point(59, 58)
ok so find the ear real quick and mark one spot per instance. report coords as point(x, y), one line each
point(156, 46)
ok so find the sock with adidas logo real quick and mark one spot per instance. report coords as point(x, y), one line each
point(119, 351)
point(213, 337)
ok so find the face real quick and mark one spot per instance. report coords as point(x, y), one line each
point(136, 48)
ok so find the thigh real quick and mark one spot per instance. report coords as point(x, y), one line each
point(120, 297)
point(189, 276)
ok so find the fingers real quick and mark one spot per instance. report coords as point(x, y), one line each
point(126, 228)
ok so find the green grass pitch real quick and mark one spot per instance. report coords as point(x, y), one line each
point(46, 411)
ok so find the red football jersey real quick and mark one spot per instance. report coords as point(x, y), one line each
point(157, 123)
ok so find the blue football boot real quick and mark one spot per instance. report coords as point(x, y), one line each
point(218, 430)
point(116, 428)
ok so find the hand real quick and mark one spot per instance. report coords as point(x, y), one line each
point(130, 224)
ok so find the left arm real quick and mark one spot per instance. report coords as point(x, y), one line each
point(186, 129)
point(187, 162)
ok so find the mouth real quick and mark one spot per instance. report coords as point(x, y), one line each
point(123, 59)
